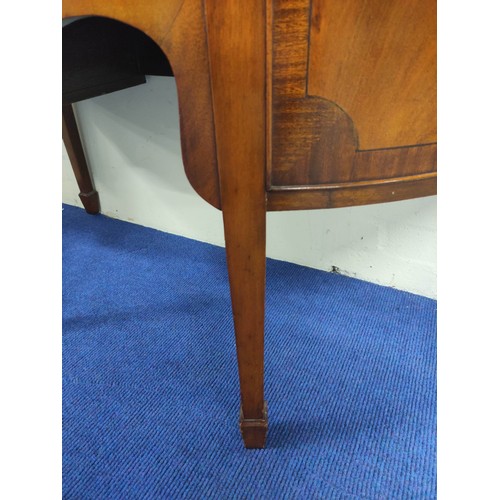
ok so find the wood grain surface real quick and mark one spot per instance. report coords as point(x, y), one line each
point(236, 36)
point(178, 28)
point(313, 141)
point(376, 59)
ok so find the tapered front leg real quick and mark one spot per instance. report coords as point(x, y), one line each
point(245, 233)
point(71, 138)
point(236, 41)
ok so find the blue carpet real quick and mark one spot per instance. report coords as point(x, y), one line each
point(150, 393)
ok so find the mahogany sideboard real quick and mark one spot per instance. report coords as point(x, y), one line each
point(286, 105)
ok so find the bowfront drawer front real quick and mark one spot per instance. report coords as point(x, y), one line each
point(352, 102)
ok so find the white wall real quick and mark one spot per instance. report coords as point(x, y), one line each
point(133, 147)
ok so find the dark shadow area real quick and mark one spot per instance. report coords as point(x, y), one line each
point(101, 55)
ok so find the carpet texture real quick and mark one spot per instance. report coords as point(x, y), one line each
point(150, 387)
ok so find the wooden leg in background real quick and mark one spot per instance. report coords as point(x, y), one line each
point(245, 233)
point(71, 138)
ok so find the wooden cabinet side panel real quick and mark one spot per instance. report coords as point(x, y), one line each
point(178, 28)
